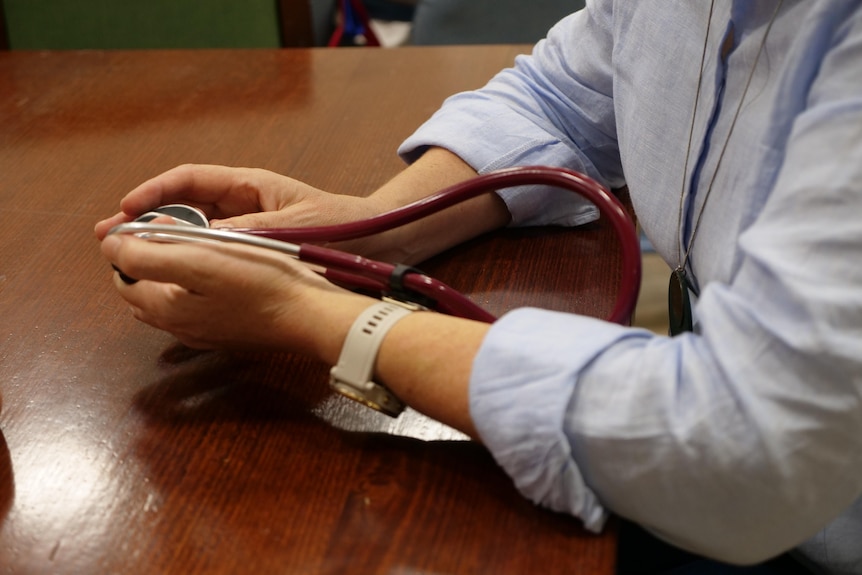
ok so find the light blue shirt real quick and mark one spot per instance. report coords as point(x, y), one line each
point(744, 439)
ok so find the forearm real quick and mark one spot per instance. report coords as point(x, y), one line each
point(434, 171)
point(425, 359)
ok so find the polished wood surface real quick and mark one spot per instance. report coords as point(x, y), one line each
point(122, 452)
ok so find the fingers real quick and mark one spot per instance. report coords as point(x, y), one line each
point(253, 220)
point(218, 190)
point(220, 295)
point(166, 307)
point(181, 264)
point(147, 299)
point(204, 268)
point(236, 198)
point(181, 285)
point(195, 184)
point(103, 227)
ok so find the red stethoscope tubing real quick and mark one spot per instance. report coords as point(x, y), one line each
point(357, 272)
point(361, 272)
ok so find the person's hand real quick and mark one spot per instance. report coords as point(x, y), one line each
point(240, 197)
point(227, 296)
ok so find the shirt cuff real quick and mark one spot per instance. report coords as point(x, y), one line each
point(522, 382)
point(483, 147)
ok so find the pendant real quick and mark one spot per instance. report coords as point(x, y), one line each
point(678, 303)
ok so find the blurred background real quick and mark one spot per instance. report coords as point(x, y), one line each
point(126, 24)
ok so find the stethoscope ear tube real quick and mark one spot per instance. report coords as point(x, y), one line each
point(412, 286)
point(608, 205)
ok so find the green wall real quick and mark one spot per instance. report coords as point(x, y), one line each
point(128, 24)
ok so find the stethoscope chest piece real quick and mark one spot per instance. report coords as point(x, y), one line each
point(181, 214)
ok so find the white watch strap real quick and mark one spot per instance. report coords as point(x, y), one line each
point(353, 373)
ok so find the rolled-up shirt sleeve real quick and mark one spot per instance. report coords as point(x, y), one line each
point(739, 441)
point(524, 379)
point(539, 113)
point(744, 439)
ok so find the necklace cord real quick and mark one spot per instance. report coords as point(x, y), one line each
point(694, 231)
point(679, 241)
point(680, 314)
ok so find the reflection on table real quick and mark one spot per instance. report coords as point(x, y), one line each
point(123, 452)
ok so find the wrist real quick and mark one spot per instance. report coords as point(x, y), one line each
point(332, 316)
point(354, 375)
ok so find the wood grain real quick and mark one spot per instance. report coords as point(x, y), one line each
point(122, 452)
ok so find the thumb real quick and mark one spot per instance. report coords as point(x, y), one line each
point(254, 220)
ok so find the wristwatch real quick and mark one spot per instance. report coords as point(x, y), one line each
point(352, 375)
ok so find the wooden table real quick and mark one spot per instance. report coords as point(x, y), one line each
point(122, 452)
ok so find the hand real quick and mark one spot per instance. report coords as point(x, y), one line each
point(225, 296)
point(240, 197)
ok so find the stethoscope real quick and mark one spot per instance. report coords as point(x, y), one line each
point(404, 283)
